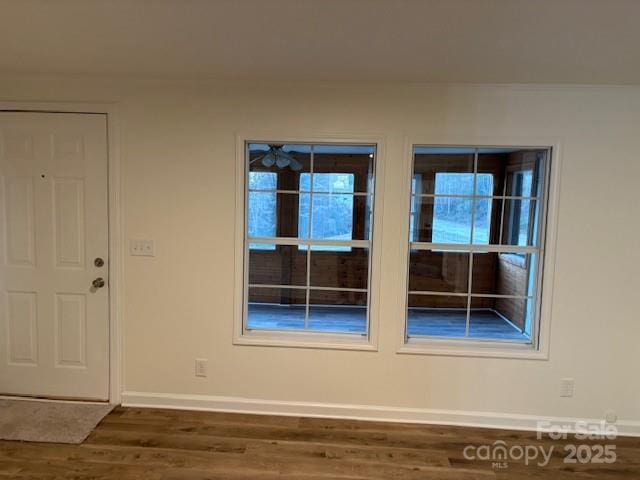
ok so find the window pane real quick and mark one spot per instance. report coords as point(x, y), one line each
point(506, 164)
point(338, 311)
point(332, 217)
point(339, 149)
point(276, 215)
point(454, 184)
point(526, 183)
point(261, 215)
point(443, 151)
point(328, 182)
point(447, 219)
point(336, 217)
point(422, 218)
point(354, 160)
point(503, 273)
point(259, 204)
point(414, 219)
point(499, 318)
point(331, 268)
point(285, 161)
point(494, 162)
point(276, 308)
point(263, 181)
point(438, 271)
point(455, 209)
point(416, 184)
point(261, 246)
point(272, 264)
point(363, 217)
point(523, 173)
point(452, 220)
point(482, 221)
point(304, 209)
point(484, 185)
point(431, 163)
point(437, 315)
point(518, 222)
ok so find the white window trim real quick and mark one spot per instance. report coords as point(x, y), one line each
point(302, 339)
point(539, 348)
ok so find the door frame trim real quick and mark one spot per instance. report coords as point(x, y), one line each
point(116, 230)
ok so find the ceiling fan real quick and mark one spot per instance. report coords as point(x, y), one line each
point(276, 156)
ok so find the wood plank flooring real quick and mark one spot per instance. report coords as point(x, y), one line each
point(154, 444)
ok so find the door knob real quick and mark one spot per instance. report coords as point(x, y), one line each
point(98, 282)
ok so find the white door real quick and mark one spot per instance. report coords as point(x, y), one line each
point(54, 323)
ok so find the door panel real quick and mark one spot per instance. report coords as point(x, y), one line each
point(68, 216)
point(19, 221)
point(54, 325)
point(22, 330)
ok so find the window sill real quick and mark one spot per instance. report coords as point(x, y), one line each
point(472, 348)
point(305, 340)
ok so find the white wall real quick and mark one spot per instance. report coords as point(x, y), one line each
point(178, 154)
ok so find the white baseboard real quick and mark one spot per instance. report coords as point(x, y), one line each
point(357, 412)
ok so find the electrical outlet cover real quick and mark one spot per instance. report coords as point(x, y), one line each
point(201, 367)
point(566, 387)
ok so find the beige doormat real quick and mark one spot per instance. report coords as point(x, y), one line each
point(49, 421)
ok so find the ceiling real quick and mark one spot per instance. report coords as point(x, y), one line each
point(469, 41)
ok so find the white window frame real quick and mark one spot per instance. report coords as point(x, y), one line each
point(304, 339)
point(538, 349)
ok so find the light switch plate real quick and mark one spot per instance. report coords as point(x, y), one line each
point(143, 248)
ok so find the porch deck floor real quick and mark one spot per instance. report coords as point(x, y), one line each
point(350, 319)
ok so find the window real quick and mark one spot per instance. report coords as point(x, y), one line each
point(308, 224)
point(472, 211)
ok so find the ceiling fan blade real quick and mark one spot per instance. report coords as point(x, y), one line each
point(291, 161)
point(295, 165)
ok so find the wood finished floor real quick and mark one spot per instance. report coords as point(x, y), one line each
point(150, 444)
